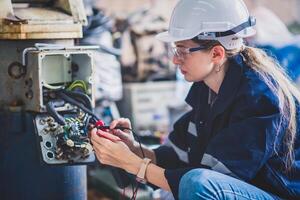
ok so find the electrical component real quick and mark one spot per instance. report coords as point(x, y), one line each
point(63, 134)
point(64, 144)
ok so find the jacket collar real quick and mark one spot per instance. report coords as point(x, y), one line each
point(227, 91)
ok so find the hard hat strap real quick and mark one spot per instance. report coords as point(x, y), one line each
point(251, 22)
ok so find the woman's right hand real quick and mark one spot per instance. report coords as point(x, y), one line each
point(126, 136)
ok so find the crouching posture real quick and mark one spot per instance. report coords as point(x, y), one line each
point(240, 140)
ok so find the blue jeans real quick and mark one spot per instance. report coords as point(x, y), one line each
point(210, 185)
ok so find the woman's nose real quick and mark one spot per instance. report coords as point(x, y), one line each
point(176, 60)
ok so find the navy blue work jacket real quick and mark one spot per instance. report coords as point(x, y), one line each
point(239, 135)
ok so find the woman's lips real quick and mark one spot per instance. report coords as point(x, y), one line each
point(183, 72)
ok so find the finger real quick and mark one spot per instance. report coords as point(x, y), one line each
point(116, 122)
point(97, 139)
point(108, 136)
point(92, 132)
point(91, 126)
point(121, 134)
point(121, 122)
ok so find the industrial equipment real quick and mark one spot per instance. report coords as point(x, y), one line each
point(46, 100)
point(58, 86)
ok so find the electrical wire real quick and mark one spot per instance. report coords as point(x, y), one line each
point(80, 96)
point(86, 123)
point(135, 191)
point(78, 83)
point(52, 87)
point(53, 113)
point(76, 103)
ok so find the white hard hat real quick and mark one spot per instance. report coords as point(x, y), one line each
point(227, 21)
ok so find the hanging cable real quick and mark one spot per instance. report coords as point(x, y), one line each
point(53, 113)
point(76, 103)
point(79, 96)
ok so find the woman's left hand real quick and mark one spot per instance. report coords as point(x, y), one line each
point(110, 150)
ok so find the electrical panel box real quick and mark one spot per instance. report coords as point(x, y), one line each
point(58, 88)
point(146, 104)
point(54, 69)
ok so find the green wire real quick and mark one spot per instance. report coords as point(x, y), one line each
point(78, 83)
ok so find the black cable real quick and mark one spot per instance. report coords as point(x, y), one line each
point(76, 103)
point(53, 113)
point(140, 144)
point(86, 123)
point(135, 190)
point(82, 98)
point(78, 95)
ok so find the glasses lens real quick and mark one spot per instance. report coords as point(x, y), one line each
point(172, 52)
point(179, 52)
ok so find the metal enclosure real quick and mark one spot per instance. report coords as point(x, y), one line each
point(54, 67)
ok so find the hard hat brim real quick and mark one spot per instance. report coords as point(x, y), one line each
point(166, 37)
point(249, 32)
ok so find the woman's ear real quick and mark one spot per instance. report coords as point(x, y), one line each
point(218, 54)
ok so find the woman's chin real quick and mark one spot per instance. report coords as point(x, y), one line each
point(188, 78)
point(191, 79)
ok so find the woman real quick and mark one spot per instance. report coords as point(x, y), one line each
point(240, 139)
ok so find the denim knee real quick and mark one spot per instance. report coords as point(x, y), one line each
point(196, 184)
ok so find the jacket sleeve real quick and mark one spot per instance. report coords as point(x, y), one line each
point(173, 154)
point(244, 146)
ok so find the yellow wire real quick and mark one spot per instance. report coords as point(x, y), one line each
point(78, 83)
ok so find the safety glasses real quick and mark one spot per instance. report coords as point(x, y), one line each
point(182, 52)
